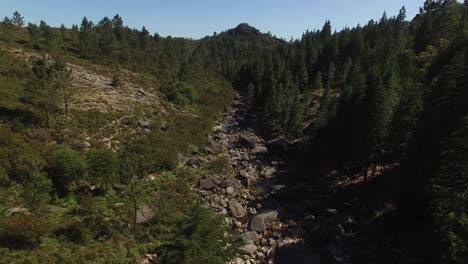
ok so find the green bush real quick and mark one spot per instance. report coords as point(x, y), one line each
point(103, 167)
point(116, 81)
point(198, 238)
point(66, 166)
point(36, 189)
point(182, 94)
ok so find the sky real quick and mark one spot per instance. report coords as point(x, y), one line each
point(199, 18)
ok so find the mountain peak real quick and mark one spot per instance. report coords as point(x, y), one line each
point(244, 29)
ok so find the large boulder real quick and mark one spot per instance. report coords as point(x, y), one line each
point(237, 210)
point(262, 221)
point(247, 141)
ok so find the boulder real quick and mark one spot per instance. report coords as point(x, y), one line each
point(244, 174)
point(247, 141)
point(249, 248)
point(251, 236)
point(261, 221)
point(259, 149)
point(207, 184)
point(237, 210)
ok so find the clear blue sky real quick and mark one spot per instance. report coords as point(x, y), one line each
point(199, 18)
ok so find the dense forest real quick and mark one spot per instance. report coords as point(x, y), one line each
point(352, 105)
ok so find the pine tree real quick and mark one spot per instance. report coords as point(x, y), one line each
point(17, 19)
point(40, 90)
point(63, 78)
point(198, 238)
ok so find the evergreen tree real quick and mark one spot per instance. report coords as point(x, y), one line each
point(40, 89)
point(198, 238)
point(63, 78)
point(17, 19)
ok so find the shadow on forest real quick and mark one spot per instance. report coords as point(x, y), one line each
point(19, 116)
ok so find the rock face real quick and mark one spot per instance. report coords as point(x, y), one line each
point(261, 221)
point(236, 209)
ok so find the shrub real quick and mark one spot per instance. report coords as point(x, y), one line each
point(35, 191)
point(66, 166)
point(116, 81)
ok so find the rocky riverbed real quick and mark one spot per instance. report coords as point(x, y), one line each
point(252, 198)
point(245, 198)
